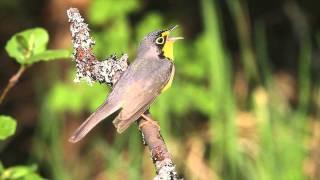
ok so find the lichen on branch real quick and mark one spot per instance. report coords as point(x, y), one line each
point(89, 68)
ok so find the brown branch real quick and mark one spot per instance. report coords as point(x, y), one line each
point(159, 153)
point(108, 72)
point(12, 82)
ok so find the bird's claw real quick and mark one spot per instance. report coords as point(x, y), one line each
point(148, 120)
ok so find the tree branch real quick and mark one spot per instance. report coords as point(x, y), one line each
point(159, 153)
point(109, 71)
point(12, 82)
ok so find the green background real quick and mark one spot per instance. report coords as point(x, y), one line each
point(245, 101)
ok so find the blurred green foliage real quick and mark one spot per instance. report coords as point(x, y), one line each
point(214, 126)
point(101, 11)
point(26, 47)
point(203, 86)
point(20, 173)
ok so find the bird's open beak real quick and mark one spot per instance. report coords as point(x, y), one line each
point(173, 38)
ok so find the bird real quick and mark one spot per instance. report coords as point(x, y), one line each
point(150, 74)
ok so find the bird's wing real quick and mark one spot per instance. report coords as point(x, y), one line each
point(133, 111)
point(141, 85)
point(133, 93)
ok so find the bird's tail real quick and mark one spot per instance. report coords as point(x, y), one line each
point(100, 114)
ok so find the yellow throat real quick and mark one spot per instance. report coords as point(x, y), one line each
point(168, 50)
point(168, 46)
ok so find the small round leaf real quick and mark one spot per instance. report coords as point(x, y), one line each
point(24, 44)
point(7, 126)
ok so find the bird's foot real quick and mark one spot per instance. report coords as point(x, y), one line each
point(148, 120)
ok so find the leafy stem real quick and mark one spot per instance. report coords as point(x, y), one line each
point(12, 82)
point(26, 48)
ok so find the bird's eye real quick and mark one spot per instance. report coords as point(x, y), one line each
point(160, 40)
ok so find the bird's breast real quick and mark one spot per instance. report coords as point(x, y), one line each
point(169, 83)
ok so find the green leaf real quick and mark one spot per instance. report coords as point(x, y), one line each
point(49, 55)
point(21, 172)
point(24, 44)
point(7, 126)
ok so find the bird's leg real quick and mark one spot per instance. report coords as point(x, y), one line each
point(148, 120)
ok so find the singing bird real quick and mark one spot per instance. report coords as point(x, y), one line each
point(149, 74)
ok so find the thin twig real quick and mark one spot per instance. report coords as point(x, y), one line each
point(12, 82)
point(108, 72)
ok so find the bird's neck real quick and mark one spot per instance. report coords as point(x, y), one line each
point(146, 52)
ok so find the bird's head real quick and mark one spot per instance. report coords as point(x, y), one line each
point(158, 43)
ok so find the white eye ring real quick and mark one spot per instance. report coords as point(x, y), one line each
point(160, 40)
